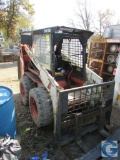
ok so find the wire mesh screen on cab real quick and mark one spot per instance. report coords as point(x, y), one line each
point(72, 52)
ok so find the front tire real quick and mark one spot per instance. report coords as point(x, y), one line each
point(40, 106)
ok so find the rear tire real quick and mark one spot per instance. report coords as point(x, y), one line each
point(26, 84)
point(40, 106)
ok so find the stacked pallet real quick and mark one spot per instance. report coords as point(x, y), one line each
point(8, 57)
point(103, 56)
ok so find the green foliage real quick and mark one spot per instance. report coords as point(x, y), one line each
point(25, 131)
point(13, 15)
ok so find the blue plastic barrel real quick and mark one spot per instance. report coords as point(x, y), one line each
point(7, 113)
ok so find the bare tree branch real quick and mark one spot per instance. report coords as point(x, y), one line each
point(104, 20)
point(84, 15)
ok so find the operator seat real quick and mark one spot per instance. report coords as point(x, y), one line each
point(58, 62)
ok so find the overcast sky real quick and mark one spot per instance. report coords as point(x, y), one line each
point(57, 12)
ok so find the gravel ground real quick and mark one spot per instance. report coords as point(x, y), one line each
point(33, 140)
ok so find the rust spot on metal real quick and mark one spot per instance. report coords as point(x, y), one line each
point(62, 83)
point(49, 86)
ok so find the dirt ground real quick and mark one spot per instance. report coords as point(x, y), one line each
point(33, 140)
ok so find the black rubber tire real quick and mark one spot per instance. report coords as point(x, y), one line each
point(27, 84)
point(42, 112)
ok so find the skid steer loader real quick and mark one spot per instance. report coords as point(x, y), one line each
point(57, 85)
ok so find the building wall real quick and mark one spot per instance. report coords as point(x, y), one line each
point(112, 31)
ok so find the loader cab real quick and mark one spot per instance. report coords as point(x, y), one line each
point(62, 51)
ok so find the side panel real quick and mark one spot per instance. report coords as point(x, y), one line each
point(92, 77)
